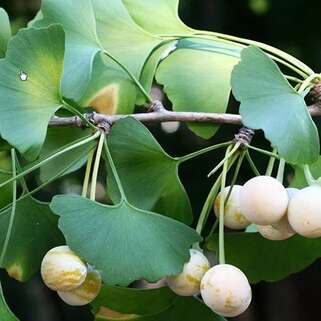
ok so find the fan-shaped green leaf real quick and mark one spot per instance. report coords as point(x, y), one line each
point(198, 81)
point(157, 16)
point(269, 102)
point(149, 176)
point(5, 32)
point(134, 301)
point(93, 27)
point(30, 87)
point(123, 242)
point(264, 260)
point(32, 233)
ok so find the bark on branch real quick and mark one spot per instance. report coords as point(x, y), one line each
point(162, 115)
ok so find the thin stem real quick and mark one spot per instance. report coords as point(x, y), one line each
point(235, 175)
point(44, 184)
point(214, 227)
point(210, 199)
point(305, 70)
point(22, 180)
point(222, 210)
point(308, 82)
point(262, 151)
point(74, 110)
point(53, 156)
point(133, 78)
point(96, 167)
point(308, 175)
point(114, 172)
point(201, 152)
point(270, 166)
point(293, 79)
point(87, 174)
point(229, 153)
point(251, 163)
point(13, 208)
point(280, 174)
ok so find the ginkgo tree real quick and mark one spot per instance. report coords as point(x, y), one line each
point(75, 93)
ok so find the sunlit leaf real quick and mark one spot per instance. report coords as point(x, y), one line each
point(149, 176)
point(30, 87)
point(198, 81)
point(124, 242)
point(93, 27)
point(5, 32)
point(31, 232)
point(109, 91)
point(157, 16)
point(264, 260)
point(269, 102)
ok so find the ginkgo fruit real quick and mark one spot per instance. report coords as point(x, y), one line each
point(304, 212)
point(226, 290)
point(282, 229)
point(263, 200)
point(85, 293)
point(188, 282)
point(62, 269)
point(233, 217)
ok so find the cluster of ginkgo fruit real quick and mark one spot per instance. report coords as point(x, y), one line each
point(63, 271)
point(277, 212)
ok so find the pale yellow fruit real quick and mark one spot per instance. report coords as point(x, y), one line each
point(62, 269)
point(188, 282)
point(263, 200)
point(226, 290)
point(85, 293)
point(233, 217)
point(282, 229)
point(304, 212)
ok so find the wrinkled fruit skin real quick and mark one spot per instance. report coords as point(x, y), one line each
point(304, 212)
point(233, 217)
point(226, 290)
point(263, 200)
point(85, 293)
point(62, 269)
point(188, 282)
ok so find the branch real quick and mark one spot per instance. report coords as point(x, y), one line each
point(162, 115)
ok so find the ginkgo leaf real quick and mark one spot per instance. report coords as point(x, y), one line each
point(199, 81)
point(30, 87)
point(5, 32)
point(109, 91)
point(149, 175)
point(270, 103)
point(166, 21)
point(93, 27)
point(122, 241)
point(68, 162)
point(264, 260)
point(25, 237)
point(134, 301)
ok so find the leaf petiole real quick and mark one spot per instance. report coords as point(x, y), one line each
point(13, 209)
point(114, 172)
point(271, 163)
point(201, 152)
point(96, 167)
point(58, 153)
point(251, 163)
point(230, 152)
point(280, 174)
point(87, 174)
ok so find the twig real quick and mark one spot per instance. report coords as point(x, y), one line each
point(161, 115)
